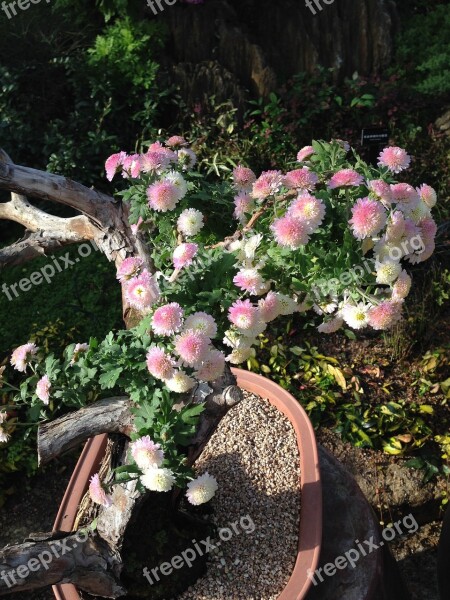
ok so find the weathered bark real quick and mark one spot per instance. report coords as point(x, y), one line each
point(86, 561)
point(111, 415)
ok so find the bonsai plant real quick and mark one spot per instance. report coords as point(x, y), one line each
point(332, 235)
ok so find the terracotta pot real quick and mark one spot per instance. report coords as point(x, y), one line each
point(311, 499)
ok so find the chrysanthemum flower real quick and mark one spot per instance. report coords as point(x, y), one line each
point(131, 166)
point(158, 480)
point(22, 356)
point(345, 178)
point(77, 351)
point(404, 195)
point(291, 232)
point(113, 163)
point(167, 319)
point(202, 489)
point(427, 194)
point(249, 280)
point(235, 339)
point(239, 355)
point(385, 315)
point(243, 204)
point(301, 179)
point(97, 493)
point(287, 305)
point(186, 158)
point(183, 255)
point(157, 159)
point(304, 153)
point(394, 158)
point(309, 210)
point(356, 316)
point(160, 364)
point(417, 213)
point(43, 388)
point(146, 453)
point(176, 141)
point(136, 226)
point(428, 228)
point(423, 253)
point(212, 366)
point(180, 383)
point(129, 268)
point(243, 314)
point(3, 416)
point(179, 182)
point(4, 437)
point(190, 222)
point(381, 190)
point(396, 227)
point(368, 218)
point(387, 271)
point(267, 184)
point(243, 178)
point(402, 286)
point(192, 346)
point(142, 291)
point(163, 196)
point(201, 321)
point(331, 326)
point(269, 307)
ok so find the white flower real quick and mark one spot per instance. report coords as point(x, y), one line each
point(202, 489)
point(201, 321)
point(4, 437)
point(180, 382)
point(158, 480)
point(331, 326)
point(190, 222)
point(239, 355)
point(251, 245)
point(146, 453)
point(178, 180)
point(3, 416)
point(387, 271)
point(356, 316)
point(286, 305)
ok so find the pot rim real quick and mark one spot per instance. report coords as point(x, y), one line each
point(310, 536)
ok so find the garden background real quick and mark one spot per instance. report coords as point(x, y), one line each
point(250, 83)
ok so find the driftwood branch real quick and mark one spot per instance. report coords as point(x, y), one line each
point(81, 559)
point(111, 415)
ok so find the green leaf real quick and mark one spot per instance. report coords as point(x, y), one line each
point(109, 379)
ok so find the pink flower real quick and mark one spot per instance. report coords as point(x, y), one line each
point(345, 177)
point(369, 218)
point(249, 280)
point(43, 389)
point(22, 355)
point(309, 210)
point(212, 366)
point(163, 196)
point(243, 314)
point(301, 179)
point(131, 166)
point(142, 291)
point(135, 226)
point(157, 159)
point(290, 232)
point(381, 190)
point(146, 453)
point(243, 204)
point(183, 255)
point(167, 319)
point(305, 152)
point(129, 268)
point(385, 315)
point(113, 163)
point(427, 194)
point(267, 184)
point(192, 347)
point(404, 195)
point(79, 349)
point(243, 178)
point(331, 326)
point(402, 286)
point(394, 158)
point(159, 363)
point(176, 141)
point(428, 228)
point(97, 493)
point(425, 251)
point(269, 307)
point(396, 228)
